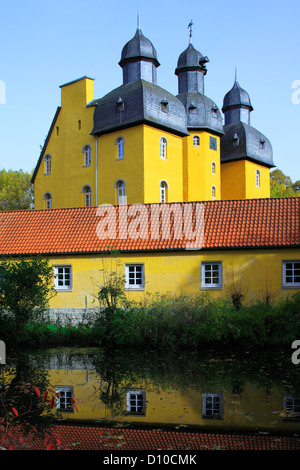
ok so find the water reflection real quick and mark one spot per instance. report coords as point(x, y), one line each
point(187, 389)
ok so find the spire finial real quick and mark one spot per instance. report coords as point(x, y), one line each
point(190, 28)
point(138, 20)
point(235, 75)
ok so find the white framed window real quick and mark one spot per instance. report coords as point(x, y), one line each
point(120, 185)
point(213, 168)
point(196, 141)
point(87, 152)
point(134, 276)
point(48, 200)
point(213, 192)
point(64, 399)
point(136, 402)
point(163, 148)
point(87, 193)
point(211, 275)
point(63, 277)
point(212, 405)
point(291, 407)
point(120, 143)
point(47, 160)
point(291, 273)
point(257, 178)
point(163, 186)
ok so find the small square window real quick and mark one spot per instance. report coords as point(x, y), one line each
point(212, 405)
point(211, 275)
point(134, 276)
point(291, 273)
point(212, 143)
point(136, 402)
point(65, 399)
point(62, 277)
point(291, 408)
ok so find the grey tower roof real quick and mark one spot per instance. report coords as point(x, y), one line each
point(191, 59)
point(138, 47)
point(242, 141)
point(202, 112)
point(139, 102)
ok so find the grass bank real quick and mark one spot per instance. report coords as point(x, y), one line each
point(183, 321)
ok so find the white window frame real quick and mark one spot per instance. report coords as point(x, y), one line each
point(257, 178)
point(213, 192)
point(47, 160)
point(213, 410)
point(213, 167)
point(65, 286)
point(136, 402)
point(64, 399)
point(128, 270)
point(87, 151)
point(120, 143)
point(163, 187)
point(291, 274)
point(196, 141)
point(87, 191)
point(120, 186)
point(292, 409)
point(205, 276)
point(48, 200)
point(163, 148)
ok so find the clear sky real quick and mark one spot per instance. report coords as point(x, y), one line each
point(46, 44)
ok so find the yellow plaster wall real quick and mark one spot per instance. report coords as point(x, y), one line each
point(253, 271)
point(68, 174)
point(238, 180)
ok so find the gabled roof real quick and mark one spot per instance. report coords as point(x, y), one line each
point(236, 224)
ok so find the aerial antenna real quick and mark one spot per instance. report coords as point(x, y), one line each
point(190, 28)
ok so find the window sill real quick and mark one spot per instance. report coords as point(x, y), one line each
point(134, 288)
point(211, 288)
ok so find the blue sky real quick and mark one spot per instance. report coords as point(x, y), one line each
point(46, 44)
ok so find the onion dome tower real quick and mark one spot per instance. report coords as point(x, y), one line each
point(202, 112)
point(237, 105)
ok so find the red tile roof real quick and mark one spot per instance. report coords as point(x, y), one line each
point(272, 222)
point(84, 437)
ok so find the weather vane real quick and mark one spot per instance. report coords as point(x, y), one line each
point(190, 28)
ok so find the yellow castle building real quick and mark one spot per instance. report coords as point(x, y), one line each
point(141, 144)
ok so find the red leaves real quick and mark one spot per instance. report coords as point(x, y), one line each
point(45, 396)
point(37, 391)
point(51, 402)
point(15, 411)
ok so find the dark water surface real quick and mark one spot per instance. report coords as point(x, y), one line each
point(210, 390)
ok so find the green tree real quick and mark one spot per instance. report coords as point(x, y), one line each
point(16, 190)
point(26, 287)
point(282, 185)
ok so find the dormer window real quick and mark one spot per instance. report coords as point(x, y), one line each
point(164, 105)
point(214, 111)
point(262, 143)
point(120, 104)
point(235, 140)
point(192, 108)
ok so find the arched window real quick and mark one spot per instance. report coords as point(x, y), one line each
point(120, 185)
point(213, 192)
point(196, 141)
point(47, 160)
point(213, 168)
point(87, 192)
point(87, 155)
point(48, 200)
point(257, 176)
point(120, 147)
point(163, 148)
point(163, 191)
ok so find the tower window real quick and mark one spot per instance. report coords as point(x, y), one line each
point(163, 191)
point(48, 201)
point(213, 192)
point(196, 141)
point(212, 143)
point(213, 168)
point(120, 185)
point(164, 105)
point(235, 140)
point(257, 177)
point(163, 148)
point(87, 192)
point(87, 155)
point(214, 111)
point(79, 125)
point(120, 147)
point(262, 143)
point(47, 160)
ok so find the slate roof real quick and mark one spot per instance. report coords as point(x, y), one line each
point(142, 104)
point(138, 47)
point(237, 96)
point(232, 224)
point(202, 112)
point(252, 145)
point(84, 437)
